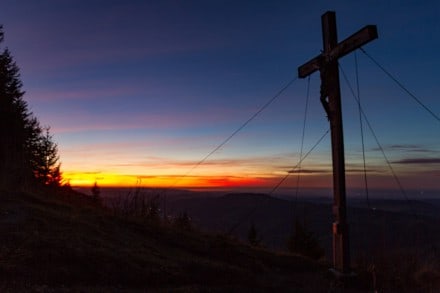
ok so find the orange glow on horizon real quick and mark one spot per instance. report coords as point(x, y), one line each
point(78, 179)
point(264, 182)
point(115, 180)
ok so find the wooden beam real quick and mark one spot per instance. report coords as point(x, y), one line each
point(329, 32)
point(355, 41)
point(331, 93)
point(309, 67)
point(327, 64)
point(358, 39)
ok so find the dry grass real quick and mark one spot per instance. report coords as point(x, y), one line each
point(402, 271)
point(68, 243)
point(52, 243)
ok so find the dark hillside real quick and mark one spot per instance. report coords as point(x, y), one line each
point(391, 223)
point(400, 239)
point(49, 244)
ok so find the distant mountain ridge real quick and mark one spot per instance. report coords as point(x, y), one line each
point(396, 223)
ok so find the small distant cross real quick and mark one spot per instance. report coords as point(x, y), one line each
point(327, 64)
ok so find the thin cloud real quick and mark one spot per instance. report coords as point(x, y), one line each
point(41, 95)
point(418, 161)
point(91, 173)
point(114, 121)
point(232, 162)
point(134, 44)
point(405, 148)
point(329, 170)
point(362, 170)
point(309, 171)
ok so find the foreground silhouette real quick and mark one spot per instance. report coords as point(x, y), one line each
point(52, 242)
point(28, 155)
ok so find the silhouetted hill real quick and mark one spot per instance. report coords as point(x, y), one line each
point(422, 207)
point(68, 243)
point(235, 212)
point(387, 224)
point(51, 244)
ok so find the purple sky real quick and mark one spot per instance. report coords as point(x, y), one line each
point(148, 88)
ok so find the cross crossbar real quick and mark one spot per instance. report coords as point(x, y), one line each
point(353, 42)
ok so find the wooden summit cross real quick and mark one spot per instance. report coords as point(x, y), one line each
point(327, 64)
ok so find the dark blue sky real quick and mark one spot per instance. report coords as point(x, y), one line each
point(144, 89)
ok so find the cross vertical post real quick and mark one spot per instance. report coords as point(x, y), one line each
point(331, 96)
point(327, 64)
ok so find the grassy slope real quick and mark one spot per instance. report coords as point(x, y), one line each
point(49, 243)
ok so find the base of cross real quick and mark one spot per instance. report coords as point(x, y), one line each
point(341, 275)
point(340, 281)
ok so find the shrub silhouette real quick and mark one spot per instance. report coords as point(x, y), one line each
point(137, 204)
point(96, 193)
point(304, 242)
point(253, 237)
point(183, 221)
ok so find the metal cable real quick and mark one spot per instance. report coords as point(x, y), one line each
point(267, 104)
point(396, 179)
point(302, 146)
point(367, 193)
point(232, 229)
point(401, 85)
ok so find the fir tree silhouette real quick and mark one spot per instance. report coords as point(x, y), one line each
point(28, 155)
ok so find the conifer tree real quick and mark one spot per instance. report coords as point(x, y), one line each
point(45, 159)
point(27, 152)
point(13, 117)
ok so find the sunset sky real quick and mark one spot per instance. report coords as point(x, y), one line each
point(140, 91)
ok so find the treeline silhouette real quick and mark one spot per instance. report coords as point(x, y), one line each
point(28, 155)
